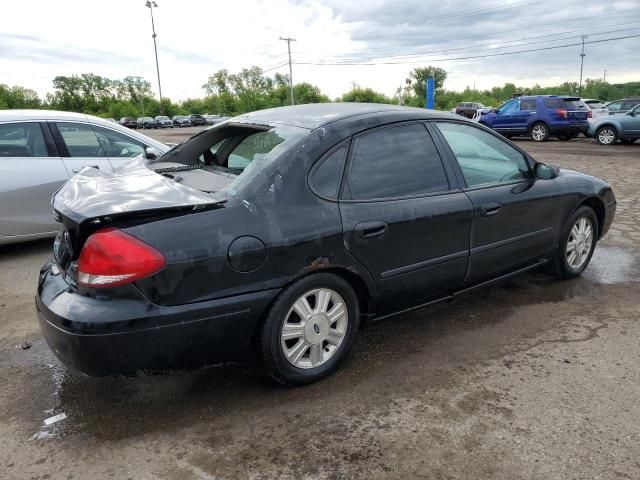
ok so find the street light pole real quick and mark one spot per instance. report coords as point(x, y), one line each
point(150, 5)
point(289, 40)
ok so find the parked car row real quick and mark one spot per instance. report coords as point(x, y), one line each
point(162, 121)
point(565, 117)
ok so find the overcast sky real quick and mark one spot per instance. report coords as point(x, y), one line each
point(41, 39)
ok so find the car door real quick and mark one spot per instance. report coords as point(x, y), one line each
point(630, 123)
point(30, 172)
point(79, 146)
point(520, 117)
point(506, 115)
point(514, 214)
point(119, 148)
point(403, 216)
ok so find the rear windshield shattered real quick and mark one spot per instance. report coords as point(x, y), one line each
point(228, 157)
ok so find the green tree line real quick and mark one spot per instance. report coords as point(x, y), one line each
point(233, 93)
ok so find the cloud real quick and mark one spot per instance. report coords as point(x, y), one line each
point(198, 37)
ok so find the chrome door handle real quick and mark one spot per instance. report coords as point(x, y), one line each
point(370, 229)
point(490, 209)
point(77, 170)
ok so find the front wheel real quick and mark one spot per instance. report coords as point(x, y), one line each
point(309, 329)
point(577, 244)
point(606, 135)
point(539, 132)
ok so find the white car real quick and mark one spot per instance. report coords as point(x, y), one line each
point(596, 107)
point(41, 149)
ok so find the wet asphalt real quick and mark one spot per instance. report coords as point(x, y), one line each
point(534, 378)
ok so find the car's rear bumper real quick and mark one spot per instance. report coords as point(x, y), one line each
point(102, 335)
point(569, 129)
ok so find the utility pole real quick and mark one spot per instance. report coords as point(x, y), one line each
point(582, 55)
point(604, 78)
point(150, 6)
point(289, 40)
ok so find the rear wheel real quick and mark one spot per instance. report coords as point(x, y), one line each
point(539, 132)
point(606, 135)
point(577, 244)
point(309, 329)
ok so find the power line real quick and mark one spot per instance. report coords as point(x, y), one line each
point(490, 46)
point(274, 67)
point(502, 32)
point(471, 56)
point(441, 18)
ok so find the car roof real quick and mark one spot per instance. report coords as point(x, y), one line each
point(316, 115)
point(56, 115)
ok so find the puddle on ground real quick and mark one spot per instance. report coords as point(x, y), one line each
point(611, 265)
point(119, 407)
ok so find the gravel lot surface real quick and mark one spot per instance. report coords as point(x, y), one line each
point(534, 379)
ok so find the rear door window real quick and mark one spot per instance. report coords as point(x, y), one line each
point(115, 144)
point(22, 140)
point(395, 162)
point(528, 104)
point(81, 140)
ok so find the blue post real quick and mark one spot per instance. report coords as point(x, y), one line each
point(431, 83)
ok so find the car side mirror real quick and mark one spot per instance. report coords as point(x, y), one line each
point(544, 171)
point(151, 153)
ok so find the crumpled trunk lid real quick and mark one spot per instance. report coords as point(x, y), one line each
point(133, 193)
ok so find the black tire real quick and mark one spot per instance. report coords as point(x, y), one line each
point(539, 132)
point(273, 357)
point(628, 141)
point(606, 135)
point(559, 265)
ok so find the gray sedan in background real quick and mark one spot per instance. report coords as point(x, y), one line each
point(621, 126)
point(41, 149)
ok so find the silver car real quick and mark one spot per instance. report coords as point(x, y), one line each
point(41, 149)
point(621, 126)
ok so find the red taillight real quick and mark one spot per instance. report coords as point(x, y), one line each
point(111, 257)
point(589, 114)
point(562, 112)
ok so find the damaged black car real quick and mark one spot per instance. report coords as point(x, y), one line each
point(277, 234)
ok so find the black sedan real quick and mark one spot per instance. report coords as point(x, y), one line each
point(281, 232)
point(181, 121)
point(197, 120)
point(128, 122)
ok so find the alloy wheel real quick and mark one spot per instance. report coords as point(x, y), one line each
point(606, 136)
point(314, 328)
point(579, 243)
point(539, 132)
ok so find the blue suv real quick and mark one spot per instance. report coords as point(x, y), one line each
point(539, 116)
